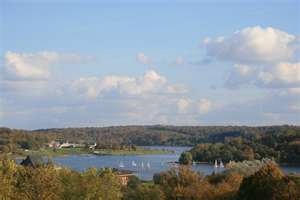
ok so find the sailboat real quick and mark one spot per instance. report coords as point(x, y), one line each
point(221, 164)
point(121, 165)
point(142, 165)
point(148, 165)
point(133, 164)
point(216, 164)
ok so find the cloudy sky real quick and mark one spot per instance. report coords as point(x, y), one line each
point(101, 63)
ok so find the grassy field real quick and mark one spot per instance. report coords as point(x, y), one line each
point(49, 152)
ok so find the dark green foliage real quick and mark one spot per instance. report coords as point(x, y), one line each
point(29, 143)
point(186, 158)
point(143, 191)
point(11, 140)
point(275, 146)
point(133, 182)
point(217, 178)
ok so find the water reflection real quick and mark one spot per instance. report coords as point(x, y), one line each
point(146, 165)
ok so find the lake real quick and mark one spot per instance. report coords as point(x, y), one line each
point(146, 165)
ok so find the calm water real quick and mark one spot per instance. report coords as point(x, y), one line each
point(157, 163)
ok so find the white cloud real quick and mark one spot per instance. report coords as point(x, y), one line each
point(204, 106)
point(281, 75)
point(239, 75)
point(183, 105)
point(27, 66)
point(286, 73)
point(35, 66)
point(108, 100)
point(30, 74)
point(254, 45)
point(263, 57)
point(149, 84)
point(195, 107)
point(142, 58)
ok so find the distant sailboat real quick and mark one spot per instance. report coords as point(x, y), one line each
point(142, 165)
point(148, 165)
point(216, 164)
point(133, 164)
point(121, 165)
point(221, 164)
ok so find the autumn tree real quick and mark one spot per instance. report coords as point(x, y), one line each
point(8, 170)
point(269, 183)
point(37, 183)
point(183, 183)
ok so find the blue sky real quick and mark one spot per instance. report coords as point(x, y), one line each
point(100, 63)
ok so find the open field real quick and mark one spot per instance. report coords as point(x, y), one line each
point(49, 152)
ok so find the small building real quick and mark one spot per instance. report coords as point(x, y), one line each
point(54, 144)
point(124, 175)
point(93, 146)
point(67, 145)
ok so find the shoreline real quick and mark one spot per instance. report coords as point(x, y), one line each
point(49, 152)
point(104, 152)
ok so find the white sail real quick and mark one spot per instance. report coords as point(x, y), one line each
point(142, 165)
point(221, 164)
point(121, 164)
point(216, 164)
point(148, 165)
point(133, 163)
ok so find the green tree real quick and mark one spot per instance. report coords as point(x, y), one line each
point(144, 191)
point(186, 158)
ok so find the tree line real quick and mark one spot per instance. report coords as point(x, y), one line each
point(210, 142)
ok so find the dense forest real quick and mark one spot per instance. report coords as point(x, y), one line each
point(210, 142)
point(262, 181)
